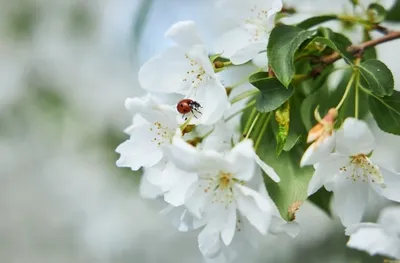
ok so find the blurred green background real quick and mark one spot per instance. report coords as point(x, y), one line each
point(65, 69)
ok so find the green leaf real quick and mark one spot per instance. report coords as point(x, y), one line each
point(322, 199)
point(291, 191)
point(378, 77)
point(376, 13)
point(342, 43)
point(394, 13)
point(332, 45)
point(337, 42)
point(283, 43)
point(386, 112)
point(316, 20)
point(291, 140)
point(282, 117)
point(273, 94)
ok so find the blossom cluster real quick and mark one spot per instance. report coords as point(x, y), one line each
point(344, 164)
point(187, 138)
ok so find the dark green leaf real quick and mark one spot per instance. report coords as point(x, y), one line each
point(342, 43)
point(322, 199)
point(376, 13)
point(394, 13)
point(283, 43)
point(386, 112)
point(273, 94)
point(316, 20)
point(378, 77)
point(329, 43)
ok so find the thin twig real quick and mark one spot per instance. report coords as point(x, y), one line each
point(357, 49)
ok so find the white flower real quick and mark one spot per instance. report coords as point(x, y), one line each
point(252, 22)
point(154, 127)
point(186, 69)
point(351, 174)
point(228, 188)
point(173, 182)
point(322, 136)
point(382, 238)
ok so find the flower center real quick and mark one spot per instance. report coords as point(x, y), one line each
point(162, 134)
point(195, 74)
point(220, 186)
point(361, 168)
point(256, 24)
point(225, 180)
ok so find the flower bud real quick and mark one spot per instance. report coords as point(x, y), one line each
point(324, 126)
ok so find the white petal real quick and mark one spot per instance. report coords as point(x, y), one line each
point(242, 161)
point(248, 52)
point(184, 33)
point(354, 228)
point(267, 169)
point(184, 155)
point(219, 139)
point(354, 137)
point(275, 8)
point(262, 202)
point(374, 240)
point(196, 198)
point(350, 200)
point(261, 61)
point(139, 151)
point(137, 121)
point(232, 41)
point(209, 242)
point(199, 54)
point(152, 112)
point(389, 218)
point(392, 184)
point(325, 171)
point(166, 73)
point(179, 216)
point(148, 190)
point(228, 231)
point(212, 97)
point(177, 194)
point(255, 208)
point(279, 225)
point(318, 150)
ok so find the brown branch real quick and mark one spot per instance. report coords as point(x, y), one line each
point(358, 49)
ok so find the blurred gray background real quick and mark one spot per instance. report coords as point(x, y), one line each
point(65, 70)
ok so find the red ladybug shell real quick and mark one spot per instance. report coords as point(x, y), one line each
point(184, 106)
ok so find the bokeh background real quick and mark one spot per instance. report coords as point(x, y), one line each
point(65, 70)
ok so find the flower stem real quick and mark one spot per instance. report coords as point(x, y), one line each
point(244, 95)
point(249, 105)
point(252, 125)
point(346, 92)
point(249, 121)
point(263, 128)
point(244, 80)
point(357, 99)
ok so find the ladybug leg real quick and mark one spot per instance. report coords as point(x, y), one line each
point(198, 111)
point(193, 114)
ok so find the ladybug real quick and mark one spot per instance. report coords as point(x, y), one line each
point(187, 105)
